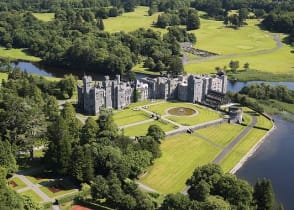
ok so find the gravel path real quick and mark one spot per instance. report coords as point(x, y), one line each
point(235, 141)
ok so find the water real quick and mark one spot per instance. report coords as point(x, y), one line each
point(237, 86)
point(274, 160)
point(36, 68)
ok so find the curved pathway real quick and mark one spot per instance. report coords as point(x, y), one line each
point(235, 141)
point(276, 38)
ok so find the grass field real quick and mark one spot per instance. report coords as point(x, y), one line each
point(241, 149)
point(204, 114)
point(181, 154)
point(215, 37)
point(131, 21)
point(37, 179)
point(17, 54)
point(221, 134)
point(34, 196)
point(20, 184)
point(46, 17)
point(129, 116)
point(141, 130)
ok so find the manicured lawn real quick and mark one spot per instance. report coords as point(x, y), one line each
point(58, 188)
point(16, 183)
point(129, 116)
point(215, 37)
point(181, 154)
point(46, 17)
point(17, 54)
point(221, 134)
point(131, 21)
point(280, 61)
point(141, 130)
point(36, 179)
point(263, 122)
point(33, 195)
point(241, 149)
point(204, 114)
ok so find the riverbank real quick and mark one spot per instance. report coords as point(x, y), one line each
point(251, 151)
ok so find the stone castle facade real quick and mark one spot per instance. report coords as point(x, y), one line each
point(117, 94)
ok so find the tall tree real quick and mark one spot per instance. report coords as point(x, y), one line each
point(58, 155)
point(263, 195)
point(193, 21)
point(7, 159)
point(156, 132)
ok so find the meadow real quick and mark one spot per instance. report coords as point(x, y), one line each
point(181, 154)
point(131, 21)
point(46, 17)
point(17, 54)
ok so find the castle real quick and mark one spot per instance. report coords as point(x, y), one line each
point(118, 94)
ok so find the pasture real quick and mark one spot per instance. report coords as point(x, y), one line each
point(181, 154)
point(17, 54)
point(131, 21)
point(46, 17)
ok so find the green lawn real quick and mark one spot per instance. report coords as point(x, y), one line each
point(181, 154)
point(204, 114)
point(17, 54)
point(131, 21)
point(16, 180)
point(140, 69)
point(215, 37)
point(221, 134)
point(34, 196)
point(64, 186)
point(241, 149)
point(129, 116)
point(36, 179)
point(263, 122)
point(46, 17)
point(141, 130)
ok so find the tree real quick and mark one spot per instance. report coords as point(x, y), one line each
point(263, 195)
point(199, 192)
point(246, 66)
point(175, 66)
point(176, 201)
point(148, 143)
point(68, 85)
point(107, 127)
point(89, 131)
point(7, 159)
point(156, 132)
point(234, 65)
point(58, 155)
point(193, 21)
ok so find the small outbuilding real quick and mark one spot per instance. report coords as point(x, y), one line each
point(236, 114)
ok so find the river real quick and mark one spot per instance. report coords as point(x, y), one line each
point(274, 159)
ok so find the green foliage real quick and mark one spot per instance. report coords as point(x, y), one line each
point(148, 143)
point(176, 201)
point(107, 127)
point(263, 195)
point(156, 133)
point(7, 159)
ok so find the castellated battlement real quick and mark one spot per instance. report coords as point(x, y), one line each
point(118, 94)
